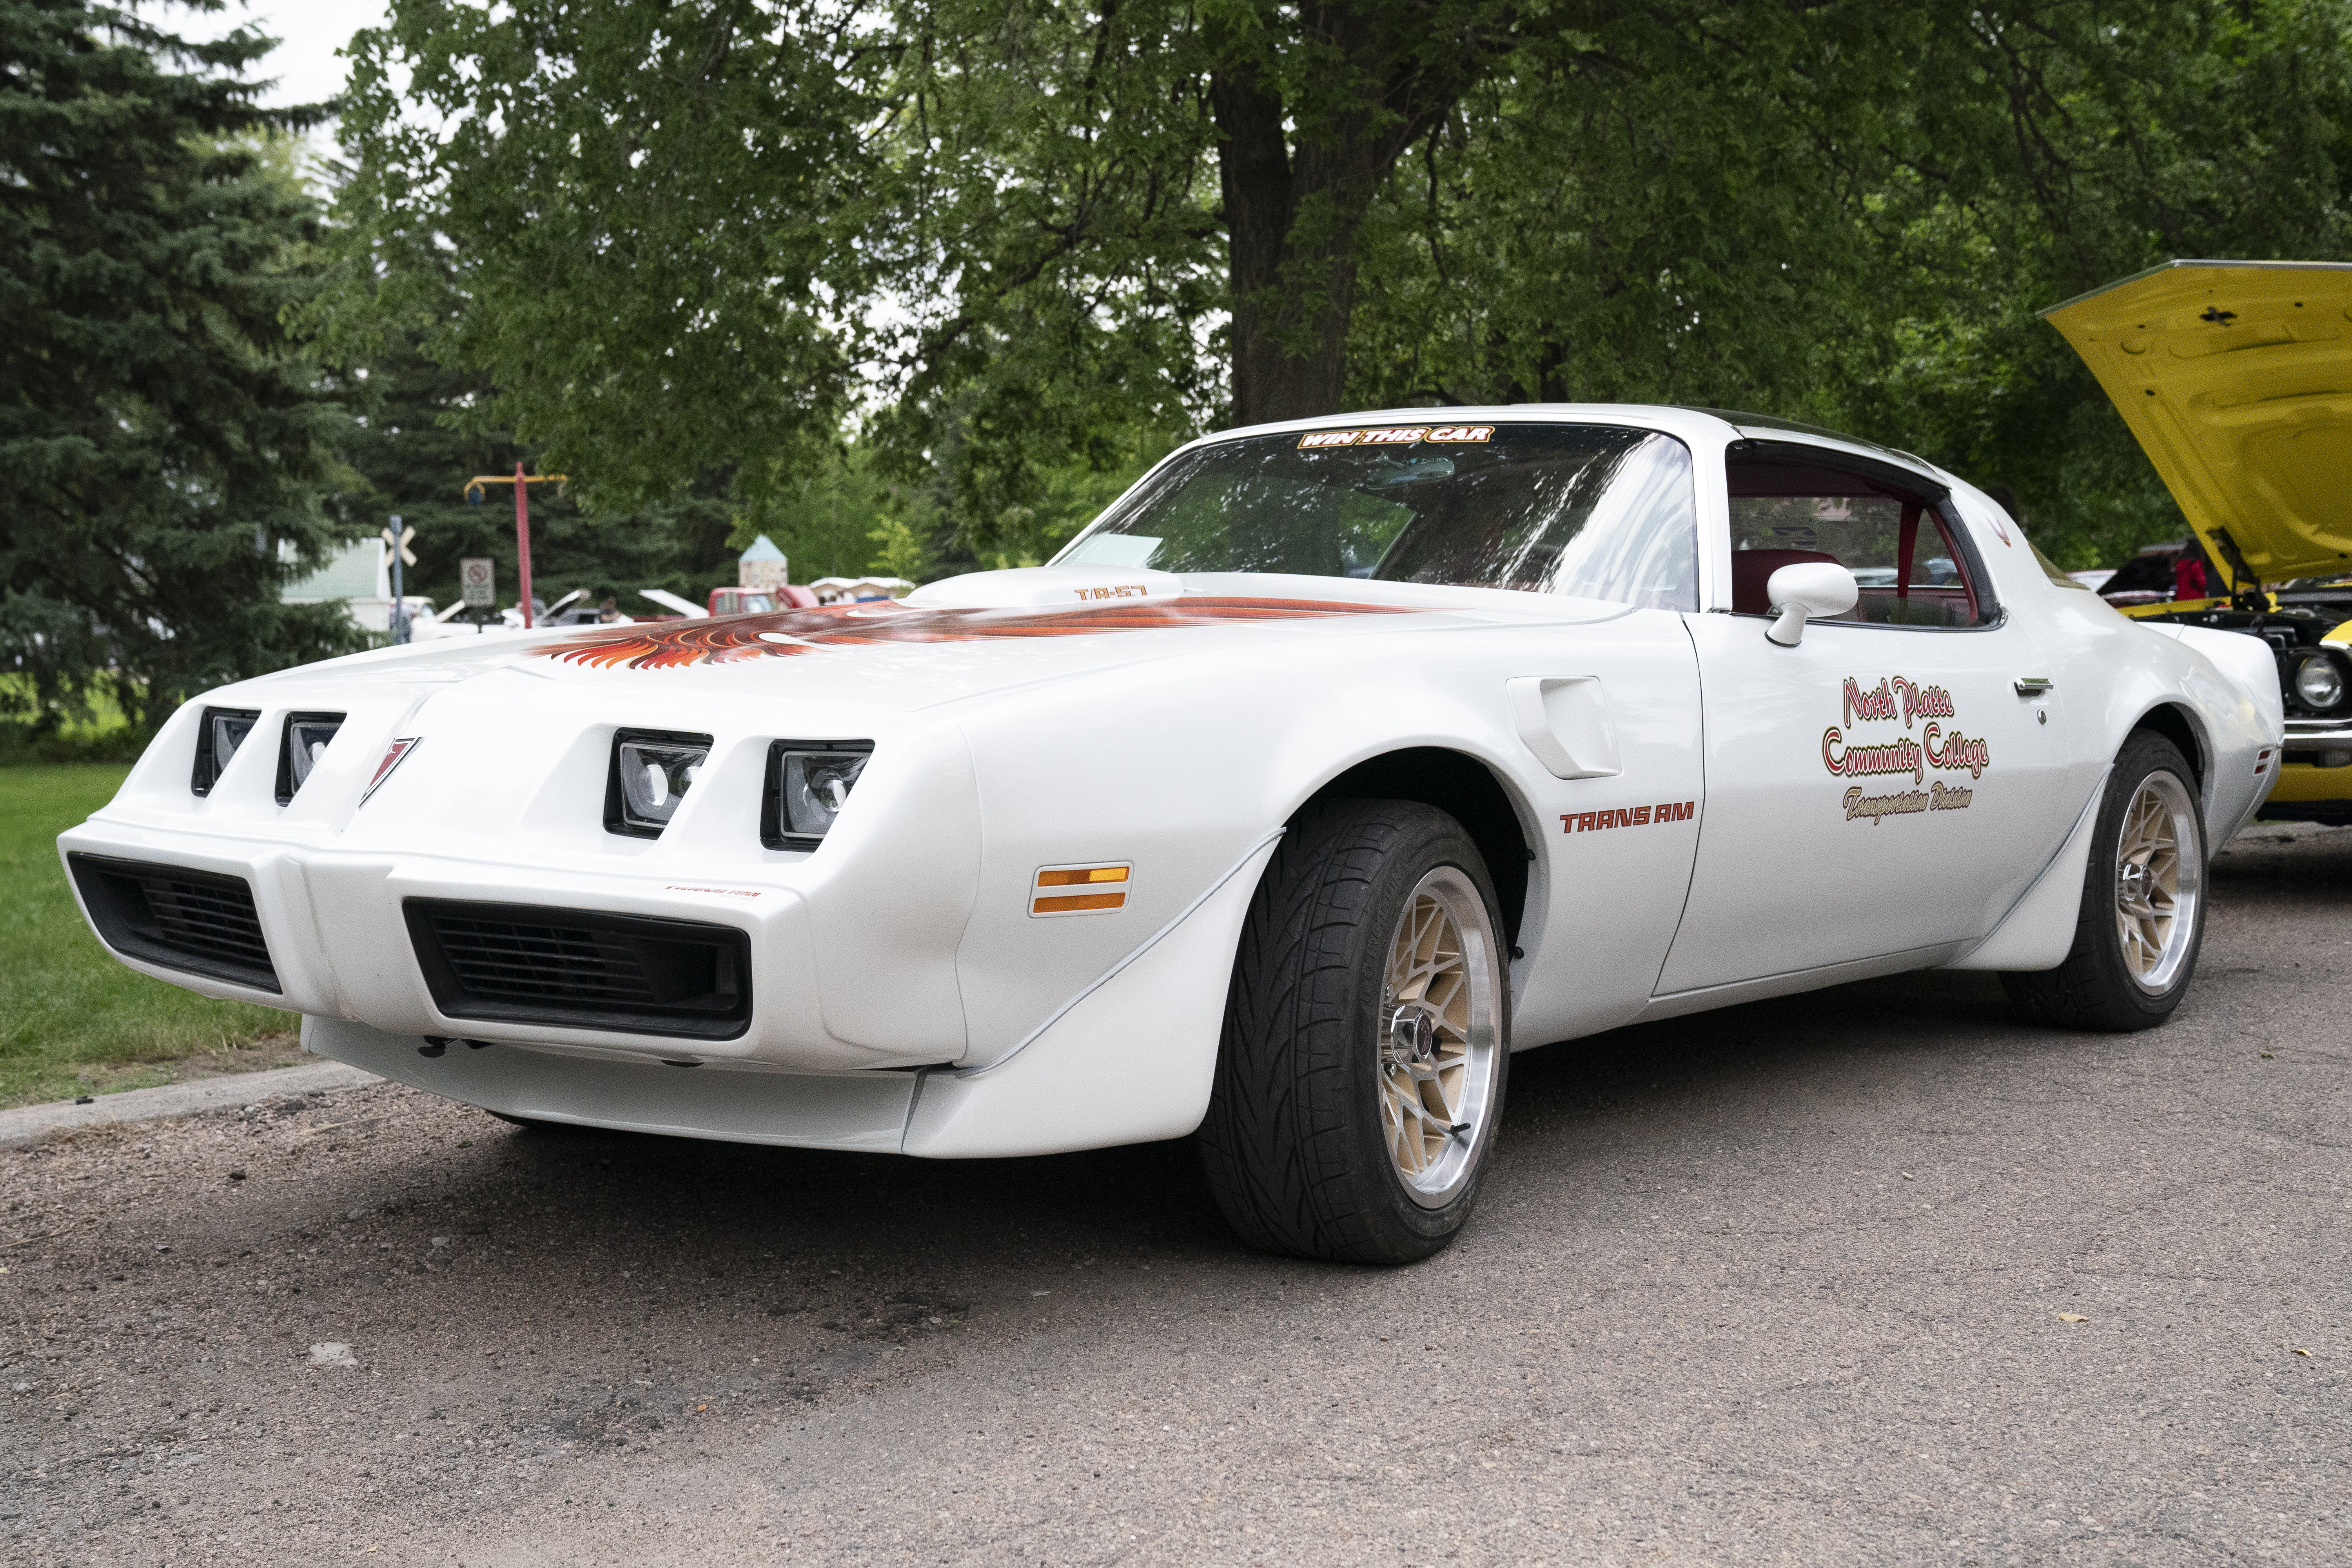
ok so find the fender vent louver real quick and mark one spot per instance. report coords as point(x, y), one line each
point(198, 922)
point(583, 969)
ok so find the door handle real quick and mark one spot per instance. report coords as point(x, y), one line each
point(2034, 685)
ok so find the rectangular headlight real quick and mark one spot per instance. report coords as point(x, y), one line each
point(223, 731)
point(651, 772)
point(305, 741)
point(808, 785)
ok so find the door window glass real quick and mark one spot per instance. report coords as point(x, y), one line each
point(1902, 548)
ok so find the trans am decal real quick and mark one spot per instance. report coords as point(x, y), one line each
point(674, 644)
point(1892, 699)
point(1628, 817)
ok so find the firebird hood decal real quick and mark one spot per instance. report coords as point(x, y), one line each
point(674, 644)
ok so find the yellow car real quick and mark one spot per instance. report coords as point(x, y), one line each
point(2236, 376)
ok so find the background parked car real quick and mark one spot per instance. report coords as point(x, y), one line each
point(2230, 376)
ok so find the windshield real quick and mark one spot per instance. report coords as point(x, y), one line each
point(1598, 511)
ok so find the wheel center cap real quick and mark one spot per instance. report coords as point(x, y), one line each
point(2133, 882)
point(1413, 1036)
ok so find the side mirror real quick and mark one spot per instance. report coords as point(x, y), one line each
point(1810, 588)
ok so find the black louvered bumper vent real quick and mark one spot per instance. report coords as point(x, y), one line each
point(176, 918)
point(524, 963)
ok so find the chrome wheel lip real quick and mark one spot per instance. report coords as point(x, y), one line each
point(2159, 882)
point(1438, 1043)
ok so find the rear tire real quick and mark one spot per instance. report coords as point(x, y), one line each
point(1367, 1036)
point(2143, 914)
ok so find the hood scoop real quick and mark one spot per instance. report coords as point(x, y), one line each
point(1048, 588)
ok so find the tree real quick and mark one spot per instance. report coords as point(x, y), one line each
point(742, 210)
point(840, 515)
point(165, 453)
point(1859, 225)
point(648, 212)
point(413, 451)
point(2202, 130)
point(1018, 237)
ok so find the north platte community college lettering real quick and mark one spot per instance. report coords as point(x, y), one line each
point(1903, 754)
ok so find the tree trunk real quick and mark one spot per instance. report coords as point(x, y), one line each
point(1290, 290)
point(1294, 200)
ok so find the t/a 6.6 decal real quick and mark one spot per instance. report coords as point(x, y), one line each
point(1849, 753)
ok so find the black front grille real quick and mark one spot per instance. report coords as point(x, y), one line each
point(522, 964)
point(200, 922)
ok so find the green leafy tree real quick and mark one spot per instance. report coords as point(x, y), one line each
point(825, 516)
point(685, 234)
point(160, 435)
point(414, 449)
point(699, 233)
point(647, 212)
point(1683, 203)
point(1859, 223)
point(2202, 130)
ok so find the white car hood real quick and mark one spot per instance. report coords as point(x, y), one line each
point(994, 632)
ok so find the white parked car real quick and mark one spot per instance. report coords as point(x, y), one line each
point(1332, 763)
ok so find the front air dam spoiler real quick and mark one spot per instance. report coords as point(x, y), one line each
point(859, 1111)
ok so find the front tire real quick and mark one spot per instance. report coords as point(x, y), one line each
point(2143, 915)
point(1367, 1038)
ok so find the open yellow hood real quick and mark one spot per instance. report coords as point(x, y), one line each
point(2237, 378)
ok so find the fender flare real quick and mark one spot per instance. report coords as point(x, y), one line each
point(2038, 931)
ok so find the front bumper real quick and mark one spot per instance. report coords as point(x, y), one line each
point(840, 959)
point(2314, 779)
point(1130, 1061)
point(341, 931)
point(863, 1111)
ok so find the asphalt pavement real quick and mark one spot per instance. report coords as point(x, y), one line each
point(1874, 1275)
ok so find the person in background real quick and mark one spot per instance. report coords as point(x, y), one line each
point(2188, 578)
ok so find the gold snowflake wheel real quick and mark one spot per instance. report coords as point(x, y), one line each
point(1439, 1056)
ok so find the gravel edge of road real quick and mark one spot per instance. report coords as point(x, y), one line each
point(33, 1123)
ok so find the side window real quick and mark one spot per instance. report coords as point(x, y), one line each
point(1640, 545)
point(1788, 506)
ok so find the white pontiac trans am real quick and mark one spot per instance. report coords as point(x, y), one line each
point(1332, 763)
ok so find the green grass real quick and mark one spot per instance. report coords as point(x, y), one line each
point(72, 1020)
point(106, 736)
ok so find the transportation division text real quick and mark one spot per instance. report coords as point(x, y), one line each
point(1870, 808)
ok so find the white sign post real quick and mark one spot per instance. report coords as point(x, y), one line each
point(477, 576)
point(400, 539)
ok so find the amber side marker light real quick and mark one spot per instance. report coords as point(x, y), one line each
point(1080, 889)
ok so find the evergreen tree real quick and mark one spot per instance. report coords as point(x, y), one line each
point(413, 452)
point(166, 453)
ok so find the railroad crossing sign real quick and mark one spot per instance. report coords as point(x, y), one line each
point(477, 576)
point(400, 542)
